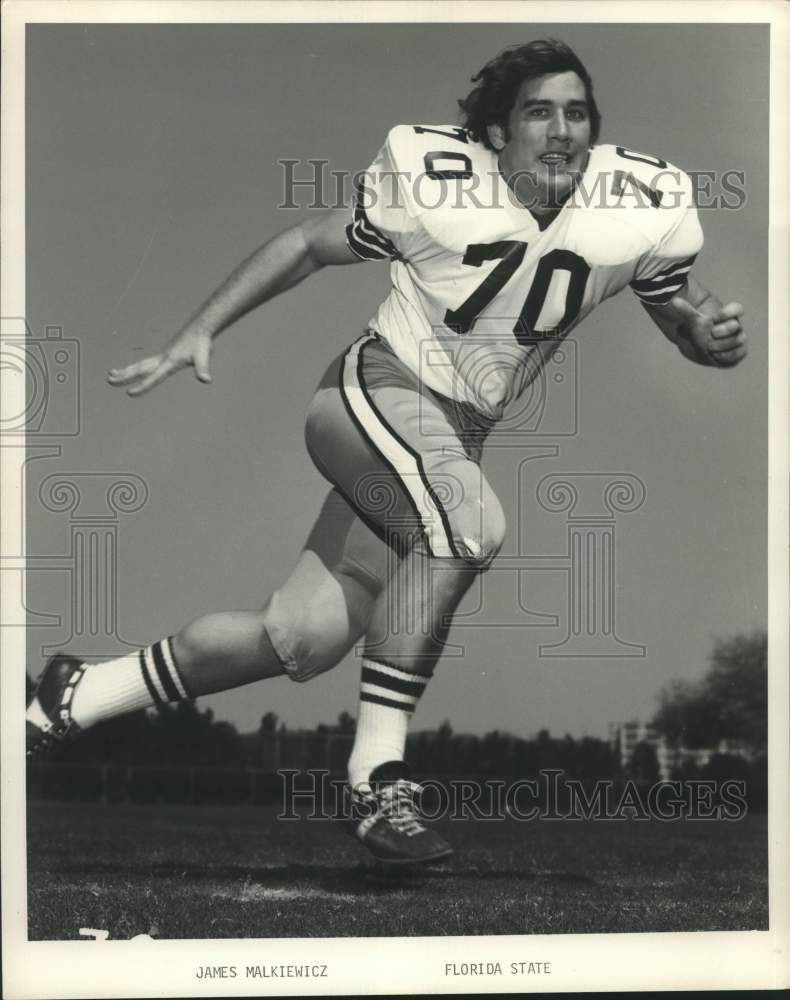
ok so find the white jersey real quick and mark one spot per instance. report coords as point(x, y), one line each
point(478, 283)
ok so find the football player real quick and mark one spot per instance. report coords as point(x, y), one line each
point(501, 234)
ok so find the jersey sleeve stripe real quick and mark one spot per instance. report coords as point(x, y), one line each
point(661, 287)
point(374, 235)
point(661, 297)
point(366, 240)
point(361, 247)
point(657, 284)
point(664, 277)
point(362, 250)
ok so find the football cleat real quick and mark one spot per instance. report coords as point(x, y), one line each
point(48, 718)
point(385, 818)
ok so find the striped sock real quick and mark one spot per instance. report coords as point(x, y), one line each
point(139, 680)
point(387, 699)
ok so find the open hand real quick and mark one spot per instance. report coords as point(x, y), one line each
point(188, 348)
point(718, 335)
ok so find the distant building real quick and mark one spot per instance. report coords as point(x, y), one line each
point(624, 736)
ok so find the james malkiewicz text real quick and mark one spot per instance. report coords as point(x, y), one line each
point(261, 972)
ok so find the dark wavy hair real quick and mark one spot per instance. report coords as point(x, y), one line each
point(498, 82)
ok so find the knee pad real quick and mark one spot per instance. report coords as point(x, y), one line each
point(312, 634)
point(478, 535)
point(295, 639)
point(471, 516)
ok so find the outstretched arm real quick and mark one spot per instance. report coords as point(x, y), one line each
point(702, 329)
point(275, 267)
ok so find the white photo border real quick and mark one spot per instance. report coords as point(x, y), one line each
point(731, 960)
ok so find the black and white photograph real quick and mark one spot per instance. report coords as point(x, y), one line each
point(394, 498)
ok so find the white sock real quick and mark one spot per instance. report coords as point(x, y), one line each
point(139, 680)
point(387, 699)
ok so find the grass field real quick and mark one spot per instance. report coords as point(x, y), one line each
point(216, 872)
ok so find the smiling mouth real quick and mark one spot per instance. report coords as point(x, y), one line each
point(555, 159)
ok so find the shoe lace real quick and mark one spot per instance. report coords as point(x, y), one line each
point(48, 741)
point(396, 804)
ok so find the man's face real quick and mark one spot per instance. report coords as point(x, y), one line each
point(544, 149)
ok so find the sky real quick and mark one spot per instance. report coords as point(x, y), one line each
point(152, 170)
